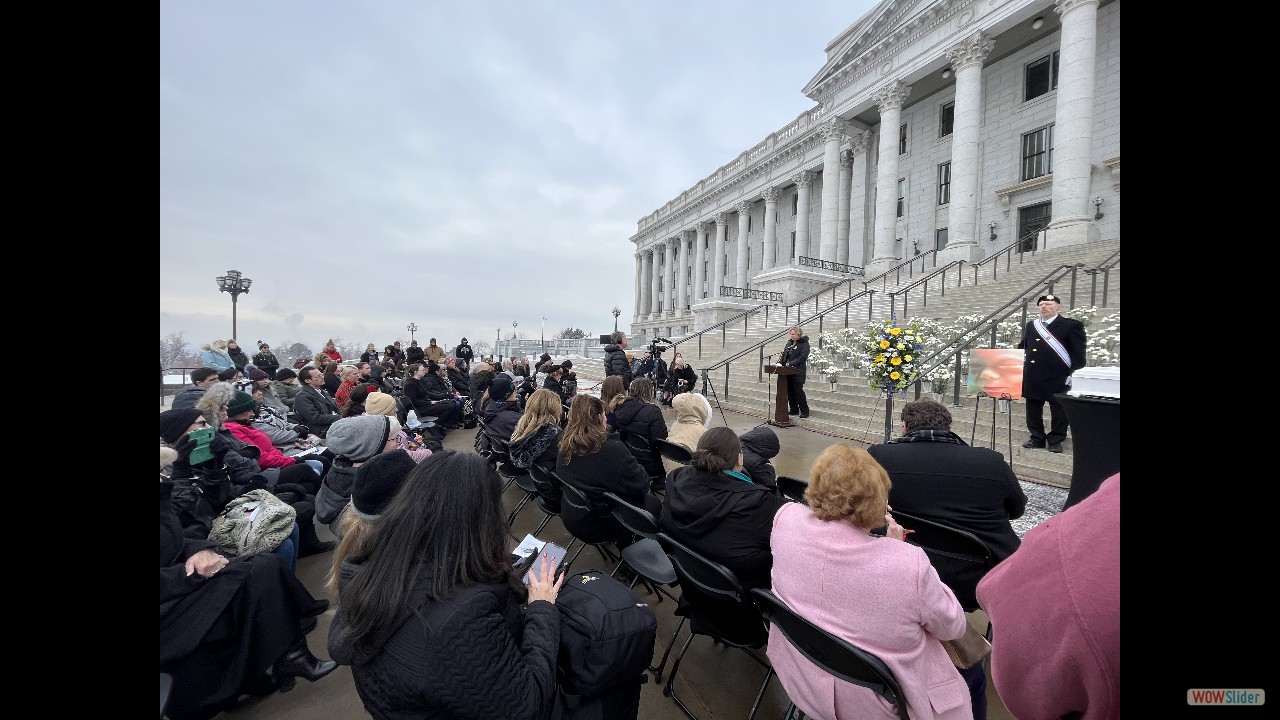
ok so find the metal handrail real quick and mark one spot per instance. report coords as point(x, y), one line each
point(908, 263)
point(924, 281)
point(724, 325)
point(1103, 267)
point(1008, 251)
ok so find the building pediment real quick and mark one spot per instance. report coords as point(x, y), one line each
point(876, 37)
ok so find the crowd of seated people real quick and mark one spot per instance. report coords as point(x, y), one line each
point(724, 504)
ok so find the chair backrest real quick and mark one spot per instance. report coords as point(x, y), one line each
point(673, 451)
point(718, 604)
point(959, 556)
point(636, 519)
point(792, 488)
point(835, 655)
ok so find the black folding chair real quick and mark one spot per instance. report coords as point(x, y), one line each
point(792, 488)
point(672, 451)
point(647, 560)
point(960, 557)
point(578, 499)
point(166, 691)
point(716, 606)
point(835, 655)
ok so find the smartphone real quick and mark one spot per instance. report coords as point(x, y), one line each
point(534, 561)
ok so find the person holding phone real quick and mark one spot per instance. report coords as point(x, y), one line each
point(429, 615)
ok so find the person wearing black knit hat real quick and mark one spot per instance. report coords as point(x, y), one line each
point(175, 423)
point(375, 483)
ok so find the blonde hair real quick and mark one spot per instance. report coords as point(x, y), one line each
point(846, 483)
point(799, 330)
point(352, 530)
point(542, 408)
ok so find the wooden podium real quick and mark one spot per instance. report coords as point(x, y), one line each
point(780, 417)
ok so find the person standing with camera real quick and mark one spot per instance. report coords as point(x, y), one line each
point(796, 355)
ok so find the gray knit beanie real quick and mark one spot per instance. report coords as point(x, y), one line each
point(361, 437)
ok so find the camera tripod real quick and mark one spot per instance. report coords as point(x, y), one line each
point(706, 385)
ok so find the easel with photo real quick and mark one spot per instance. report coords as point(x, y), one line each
point(995, 373)
point(995, 408)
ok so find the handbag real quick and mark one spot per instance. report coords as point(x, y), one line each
point(254, 522)
point(971, 649)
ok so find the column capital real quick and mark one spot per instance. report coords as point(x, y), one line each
point(803, 179)
point(973, 50)
point(1062, 7)
point(892, 96)
point(688, 235)
point(846, 160)
point(722, 220)
point(833, 129)
point(771, 194)
point(744, 207)
point(659, 246)
point(859, 141)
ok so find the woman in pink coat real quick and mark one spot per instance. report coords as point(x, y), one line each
point(879, 593)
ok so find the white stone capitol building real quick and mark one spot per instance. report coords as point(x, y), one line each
point(960, 126)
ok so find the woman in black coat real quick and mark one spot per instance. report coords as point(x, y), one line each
point(796, 355)
point(640, 422)
point(594, 461)
point(225, 622)
point(432, 618)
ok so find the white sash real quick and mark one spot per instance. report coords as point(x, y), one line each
point(1053, 342)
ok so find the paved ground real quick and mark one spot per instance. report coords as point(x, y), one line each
point(717, 682)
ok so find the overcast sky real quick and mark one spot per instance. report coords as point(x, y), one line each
point(456, 165)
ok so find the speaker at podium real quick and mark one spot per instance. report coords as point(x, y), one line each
point(780, 417)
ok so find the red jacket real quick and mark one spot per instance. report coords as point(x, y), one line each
point(271, 457)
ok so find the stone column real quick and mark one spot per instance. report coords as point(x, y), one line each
point(1073, 125)
point(646, 297)
point(842, 213)
point(699, 261)
point(682, 277)
point(832, 135)
point(803, 179)
point(890, 99)
point(770, 227)
point(966, 59)
point(722, 224)
point(744, 252)
point(635, 314)
point(855, 250)
point(668, 276)
point(654, 273)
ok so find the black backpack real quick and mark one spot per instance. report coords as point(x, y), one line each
point(606, 644)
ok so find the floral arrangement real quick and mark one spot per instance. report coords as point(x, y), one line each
point(823, 364)
point(890, 350)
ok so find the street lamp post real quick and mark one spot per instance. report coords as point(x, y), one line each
point(496, 343)
point(235, 283)
point(616, 312)
point(544, 336)
point(511, 353)
point(412, 328)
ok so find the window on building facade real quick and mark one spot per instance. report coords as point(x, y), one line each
point(944, 183)
point(902, 140)
point(1041, 76)
point(941, 239)
point(947, 120)
point(902, 196)
point(748, 224)
point(795, 204)
point(1037, 153)
point(793, 245)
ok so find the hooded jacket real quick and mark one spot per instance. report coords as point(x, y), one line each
point(759, 446)
point(615, 363)
point(640, 422)
point(692, 411)
point(726, 519)
point(216, 357)
point(500, 418)
point(267, 362)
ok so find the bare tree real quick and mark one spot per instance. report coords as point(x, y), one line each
point(483, 347)
point(569, 333)
point(174, 352)
point(288, 351)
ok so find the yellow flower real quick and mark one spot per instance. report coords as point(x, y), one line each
point(896, 361)
point(884, 344)
point(879, 358)
point(895, 375)
point(908, 358)
point(895, 331)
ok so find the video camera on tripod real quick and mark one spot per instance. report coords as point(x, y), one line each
point(657, 345)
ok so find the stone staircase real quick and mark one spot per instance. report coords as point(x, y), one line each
point(852, 410)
